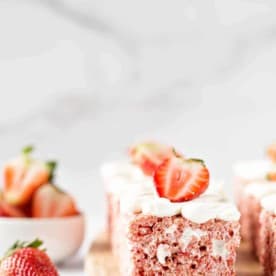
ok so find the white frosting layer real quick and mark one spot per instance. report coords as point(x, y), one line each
point(252, 169)
point(261, 189)
point(137, 194)
point(118, 176)
point(208, 207)
point(269, 203)
point(199, 210)
point(122, 169)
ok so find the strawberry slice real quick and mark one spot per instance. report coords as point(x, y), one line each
point(49, 201)
point(7, 210)
point(150, 155)
point(180, 180)
point(271, 152)
point(23, 176)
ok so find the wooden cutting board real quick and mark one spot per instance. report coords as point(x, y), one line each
point(100, 262)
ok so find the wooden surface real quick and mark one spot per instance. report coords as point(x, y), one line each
point(100, 262)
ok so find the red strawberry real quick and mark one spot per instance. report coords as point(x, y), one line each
point(23, 176)
point(49, 201)
point(150, 155)
point(180, 180)
point(26, 259)
point(7, 210)
point(271, 152)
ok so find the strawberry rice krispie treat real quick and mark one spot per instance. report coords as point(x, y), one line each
point(268, 234)
point(168, 223)
point(246, 172)
point(250, 211)
point(117, 177)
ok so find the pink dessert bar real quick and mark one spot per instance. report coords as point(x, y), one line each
point(268, 235)
point(163, 218)
point(198, 237)
point(117, 176)
point(250, 209)
point(246, 172)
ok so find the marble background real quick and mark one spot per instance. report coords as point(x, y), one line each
point(83, 79)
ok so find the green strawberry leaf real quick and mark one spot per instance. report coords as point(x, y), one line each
point(196, 160)
point(51, 165)
point(19, 245)
point(27, 150)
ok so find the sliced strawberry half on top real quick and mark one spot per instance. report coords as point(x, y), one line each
point(150, 155)
point(49, 201)
point(180, 180)
point(23, 176)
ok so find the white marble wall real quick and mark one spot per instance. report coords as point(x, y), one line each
point(84, 79)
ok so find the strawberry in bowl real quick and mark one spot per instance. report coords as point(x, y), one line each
point(27, 259)
point(32, 205)
point(49, 201)
point(23, 175)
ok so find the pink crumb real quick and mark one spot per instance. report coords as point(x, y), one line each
point(151, 245)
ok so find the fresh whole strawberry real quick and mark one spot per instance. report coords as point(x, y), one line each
point(27, 259)
point(49, 201)
point(180, 179)
point(23, 176)
point(149, 155)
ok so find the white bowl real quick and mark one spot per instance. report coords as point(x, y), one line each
point(62, 237)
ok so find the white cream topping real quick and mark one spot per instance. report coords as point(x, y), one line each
point(219, 248)
point(216, 188)
point(199, 210)
point(119, 175)
point(206, 207)
point(122, 169)
point(160, 207)
point(162, 253)
point(269, 203)
point(261, 189)
point(252, 169)
point(137, 194)
point(188, 234)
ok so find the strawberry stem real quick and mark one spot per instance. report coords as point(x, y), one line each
point(196, 160)
point(19, 245)
point(27, 150)
point(51, 165)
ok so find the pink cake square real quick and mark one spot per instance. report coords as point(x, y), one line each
point(158, 237)
point(118, 176)
point(246, 172)
point(268, 235)
point(164, 217)
point(153, 250)
point(250, 209)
